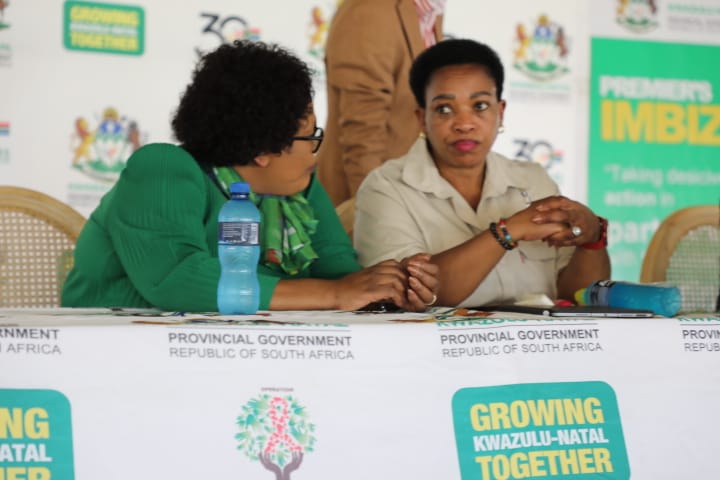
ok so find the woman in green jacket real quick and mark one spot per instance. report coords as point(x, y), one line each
point(247, 115)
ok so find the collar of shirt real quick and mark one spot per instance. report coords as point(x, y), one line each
point(422, 173)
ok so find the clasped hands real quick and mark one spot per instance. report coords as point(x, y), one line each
point(558, 221)
point(411, 284)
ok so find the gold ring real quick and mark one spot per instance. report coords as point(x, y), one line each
point(432, 302)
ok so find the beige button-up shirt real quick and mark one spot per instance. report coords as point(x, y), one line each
point(405, 207)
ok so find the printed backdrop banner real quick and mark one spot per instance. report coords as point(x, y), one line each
point(654, 138)
point(87, 83)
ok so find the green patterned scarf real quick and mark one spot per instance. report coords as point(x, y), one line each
point(285, 227)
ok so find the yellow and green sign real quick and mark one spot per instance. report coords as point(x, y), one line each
point(654, 138)
point(104, 27)
point(551, 430)
point(35, 435)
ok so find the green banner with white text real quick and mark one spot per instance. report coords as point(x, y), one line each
point(654, 138)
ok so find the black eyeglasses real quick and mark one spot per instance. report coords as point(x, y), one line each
point(316, 138)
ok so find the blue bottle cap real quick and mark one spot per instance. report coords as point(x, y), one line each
point(239, 187)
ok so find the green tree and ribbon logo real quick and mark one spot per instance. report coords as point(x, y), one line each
point(276, 431)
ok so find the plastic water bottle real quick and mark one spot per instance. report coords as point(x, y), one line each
point(663, 300)
point(238, 251)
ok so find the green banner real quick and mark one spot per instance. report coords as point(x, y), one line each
point(654, 138)
point(35, 435)
point(104, 27)
point(543, 430)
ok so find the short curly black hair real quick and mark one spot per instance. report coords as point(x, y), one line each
point(245, 99)
point(455, 51)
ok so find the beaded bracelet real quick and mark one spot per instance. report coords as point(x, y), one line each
point(503, 243)
point(503, 228)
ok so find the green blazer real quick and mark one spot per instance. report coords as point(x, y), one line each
point(152, 240)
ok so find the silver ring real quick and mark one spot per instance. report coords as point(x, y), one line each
point(432, 302)
point(576, 231)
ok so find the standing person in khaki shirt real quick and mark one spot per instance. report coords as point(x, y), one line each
point(371, 110)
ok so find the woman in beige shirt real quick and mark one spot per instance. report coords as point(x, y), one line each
point(497, 228)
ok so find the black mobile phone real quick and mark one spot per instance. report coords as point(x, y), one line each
point(380, 307)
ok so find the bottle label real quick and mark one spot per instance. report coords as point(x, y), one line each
point(598, 292)
point(239, 233)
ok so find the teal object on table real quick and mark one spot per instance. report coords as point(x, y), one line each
point(663, 300)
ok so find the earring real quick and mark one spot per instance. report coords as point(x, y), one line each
point(501, 129)
point(422, 135)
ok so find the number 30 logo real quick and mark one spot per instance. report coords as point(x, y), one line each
point(538, 151)
point(219, 30)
